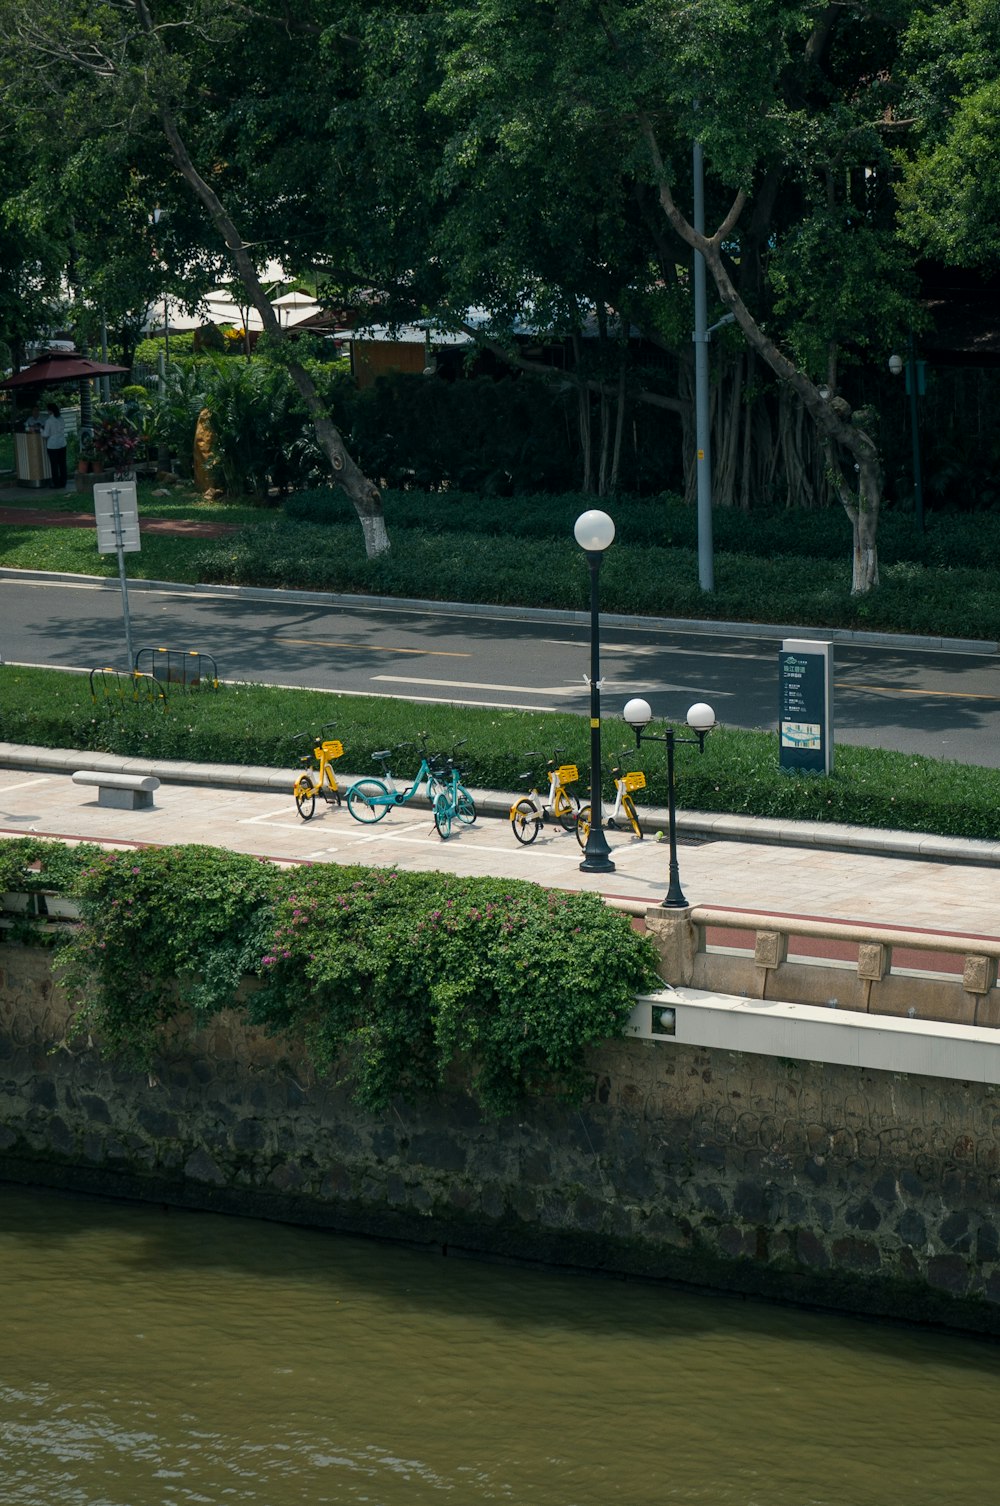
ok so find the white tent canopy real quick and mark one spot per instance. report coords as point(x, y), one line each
point(220, 308)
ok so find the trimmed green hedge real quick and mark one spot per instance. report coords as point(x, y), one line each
point(738, 772)
point(792, 568)
point(635, 579)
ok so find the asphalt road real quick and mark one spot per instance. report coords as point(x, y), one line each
point(914, 700)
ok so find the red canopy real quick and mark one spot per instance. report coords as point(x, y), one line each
point(56, 367)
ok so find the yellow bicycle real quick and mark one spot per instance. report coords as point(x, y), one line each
point(529, 814)
point(319, 781)
point(623, 809)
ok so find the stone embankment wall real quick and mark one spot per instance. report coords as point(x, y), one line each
point(862, 1190)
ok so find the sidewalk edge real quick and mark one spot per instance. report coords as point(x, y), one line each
point(698, 825)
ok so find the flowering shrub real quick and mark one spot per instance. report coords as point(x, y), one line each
point(114, 442)
point(397, 978)
point(398, 982)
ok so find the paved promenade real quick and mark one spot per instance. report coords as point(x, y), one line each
point(869, 877)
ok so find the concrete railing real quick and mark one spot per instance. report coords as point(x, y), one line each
point(838, 964)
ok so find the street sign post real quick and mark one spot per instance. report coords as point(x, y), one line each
point(116, 509)
point(805, 706)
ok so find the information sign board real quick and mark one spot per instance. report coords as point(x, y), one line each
point(805, 706)
point(116, 509)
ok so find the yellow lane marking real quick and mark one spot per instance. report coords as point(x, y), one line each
point(955, 695)
point(378, 648)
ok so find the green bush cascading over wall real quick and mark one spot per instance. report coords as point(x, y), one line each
point(390, 980)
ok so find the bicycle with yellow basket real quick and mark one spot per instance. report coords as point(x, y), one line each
point(529, 814)
point(319, 780)
point(623, 811)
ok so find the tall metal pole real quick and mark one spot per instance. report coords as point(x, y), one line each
point(105, 380)
point(115, 494)
point(597, 853)
point(675, 895)
point(703, 427)
point(918, 478)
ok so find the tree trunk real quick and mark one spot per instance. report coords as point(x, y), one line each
point(363, 493)
point(619, 419)
point(835, 424)
point(863, 510)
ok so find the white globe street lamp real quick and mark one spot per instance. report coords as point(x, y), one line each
point(594, 531)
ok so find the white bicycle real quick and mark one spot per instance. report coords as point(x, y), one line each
point(623, 812)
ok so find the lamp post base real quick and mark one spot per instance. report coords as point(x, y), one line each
point(597, 853)
point(597, 865)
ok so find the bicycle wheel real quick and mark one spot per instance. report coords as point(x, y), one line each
point(525, 821)
point(442, 815)
point(465, 806)
point(305, 797)
point(565, 807)
point(628, 806)
point(583, 825)
point(368, 800)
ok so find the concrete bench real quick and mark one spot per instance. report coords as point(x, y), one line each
point(128, 792)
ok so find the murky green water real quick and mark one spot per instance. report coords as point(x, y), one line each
point(160, 1357)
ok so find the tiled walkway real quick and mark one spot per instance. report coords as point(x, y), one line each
point(779, 879)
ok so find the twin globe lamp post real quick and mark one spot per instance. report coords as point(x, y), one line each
point(701, 720)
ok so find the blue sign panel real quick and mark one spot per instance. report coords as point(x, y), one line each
point(805, 710)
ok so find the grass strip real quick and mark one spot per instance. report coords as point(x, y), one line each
point(738, 773)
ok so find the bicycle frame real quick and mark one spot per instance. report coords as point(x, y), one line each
point(452, 802)
point(531, 811)
point(623, 810)
point(370, 799)
point(426, 775)
point(319, 781)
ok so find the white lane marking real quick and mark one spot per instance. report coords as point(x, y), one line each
point(476, 685)
point(379, 648)
point(22, 784)
point(581, 690)
point(648, 649)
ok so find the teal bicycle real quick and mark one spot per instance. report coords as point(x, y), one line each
point(453, 802)
point(370, 800)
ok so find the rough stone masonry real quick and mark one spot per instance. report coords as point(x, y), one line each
point(865, 1191)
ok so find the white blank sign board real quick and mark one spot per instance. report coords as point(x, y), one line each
point(122, 532)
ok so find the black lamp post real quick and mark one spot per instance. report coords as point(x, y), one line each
point(701, 720)
point(594, 532)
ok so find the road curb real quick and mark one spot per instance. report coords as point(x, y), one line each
point(524, 614)
point(692, 825)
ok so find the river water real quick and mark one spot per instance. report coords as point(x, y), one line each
point(162, 1358)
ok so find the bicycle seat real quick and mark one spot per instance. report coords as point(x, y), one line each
point(383, 753)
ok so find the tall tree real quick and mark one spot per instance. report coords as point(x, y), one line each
point(127, 66)
point(794, 108)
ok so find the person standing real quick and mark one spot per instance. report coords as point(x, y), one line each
point(54, 434)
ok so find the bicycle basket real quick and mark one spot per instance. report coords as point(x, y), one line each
point(333, 749)
point(636, 781)
point(568, 773)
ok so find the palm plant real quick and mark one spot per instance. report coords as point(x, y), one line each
point(253, 423)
